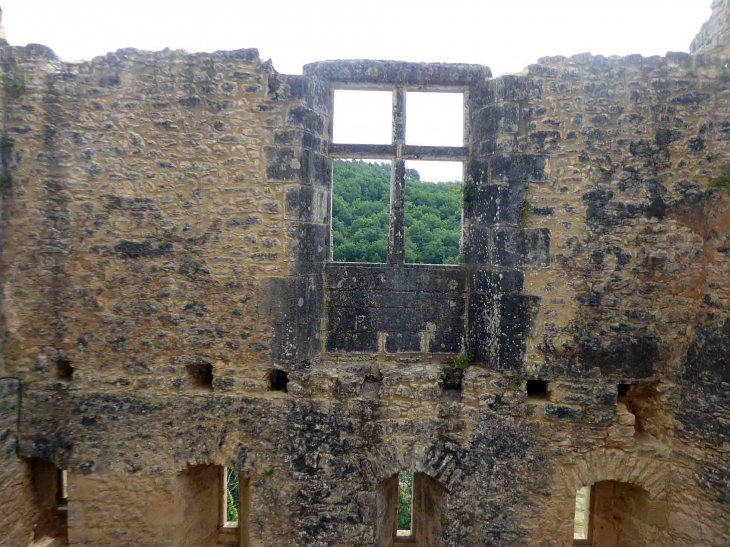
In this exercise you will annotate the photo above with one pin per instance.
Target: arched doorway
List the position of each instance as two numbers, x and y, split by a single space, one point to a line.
427 500
618 514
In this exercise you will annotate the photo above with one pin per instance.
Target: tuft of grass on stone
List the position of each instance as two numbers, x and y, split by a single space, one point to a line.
462 360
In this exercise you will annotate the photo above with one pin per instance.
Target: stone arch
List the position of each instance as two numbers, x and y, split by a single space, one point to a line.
430 493
434 460
647 475
648 472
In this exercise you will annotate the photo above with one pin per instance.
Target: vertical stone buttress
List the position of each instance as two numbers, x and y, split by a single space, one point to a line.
298 160
497 245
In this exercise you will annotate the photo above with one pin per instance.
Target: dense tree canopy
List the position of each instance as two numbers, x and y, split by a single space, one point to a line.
360 215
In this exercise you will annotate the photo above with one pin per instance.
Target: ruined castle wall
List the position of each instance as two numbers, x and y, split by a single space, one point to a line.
165 248
142 222
640 248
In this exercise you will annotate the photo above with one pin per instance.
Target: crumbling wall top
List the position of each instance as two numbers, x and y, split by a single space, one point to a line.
715 32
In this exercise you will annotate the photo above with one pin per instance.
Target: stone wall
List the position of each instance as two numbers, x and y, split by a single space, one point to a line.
165 248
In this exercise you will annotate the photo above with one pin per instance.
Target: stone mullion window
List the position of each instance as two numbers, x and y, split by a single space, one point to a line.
397 234
398 152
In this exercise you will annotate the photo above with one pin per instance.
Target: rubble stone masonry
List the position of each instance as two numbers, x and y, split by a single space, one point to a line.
165 249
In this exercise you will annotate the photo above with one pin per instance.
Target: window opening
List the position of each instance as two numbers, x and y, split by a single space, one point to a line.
360 210
435 119
433 205
362 240
62 489
236 504
278 380
64 368
537 389
231 497
623 390
201 376
405 503
615 512
582 514
49 486
363 117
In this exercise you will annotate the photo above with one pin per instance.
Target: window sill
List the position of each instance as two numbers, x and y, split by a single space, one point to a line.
414 265
228 535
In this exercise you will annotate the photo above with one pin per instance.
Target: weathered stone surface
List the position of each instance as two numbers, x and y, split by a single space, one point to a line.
166 257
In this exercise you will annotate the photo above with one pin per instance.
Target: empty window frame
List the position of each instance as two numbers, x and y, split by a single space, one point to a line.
405 504
397 151
433 211
235 504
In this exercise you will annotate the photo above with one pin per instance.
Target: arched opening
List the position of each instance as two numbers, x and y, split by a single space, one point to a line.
618 514
426 499
49 486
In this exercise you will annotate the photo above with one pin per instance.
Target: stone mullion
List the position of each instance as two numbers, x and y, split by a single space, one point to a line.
397 239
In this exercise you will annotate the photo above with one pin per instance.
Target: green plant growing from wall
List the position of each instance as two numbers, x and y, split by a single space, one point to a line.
6 181
469 195
6 155
15 84
462 360
516 382
723 181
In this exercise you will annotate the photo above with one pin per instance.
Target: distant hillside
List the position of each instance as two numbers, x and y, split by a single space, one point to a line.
360 215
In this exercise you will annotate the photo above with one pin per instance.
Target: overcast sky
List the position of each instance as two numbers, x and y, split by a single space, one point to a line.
505 35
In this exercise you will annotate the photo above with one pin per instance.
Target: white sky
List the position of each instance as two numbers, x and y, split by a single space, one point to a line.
505 35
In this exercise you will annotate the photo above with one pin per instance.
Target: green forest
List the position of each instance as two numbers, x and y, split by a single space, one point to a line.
361 211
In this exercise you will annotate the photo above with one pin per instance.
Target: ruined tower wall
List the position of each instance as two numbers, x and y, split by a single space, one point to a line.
165 248
151 200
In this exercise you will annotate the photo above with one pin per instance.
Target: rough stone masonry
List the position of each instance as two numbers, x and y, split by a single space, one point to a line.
169 308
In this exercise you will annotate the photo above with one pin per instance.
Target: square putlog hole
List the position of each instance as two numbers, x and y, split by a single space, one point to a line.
64 369
537 389
201 376
278 380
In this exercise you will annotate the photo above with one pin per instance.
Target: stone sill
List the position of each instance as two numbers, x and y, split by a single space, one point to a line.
228 535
